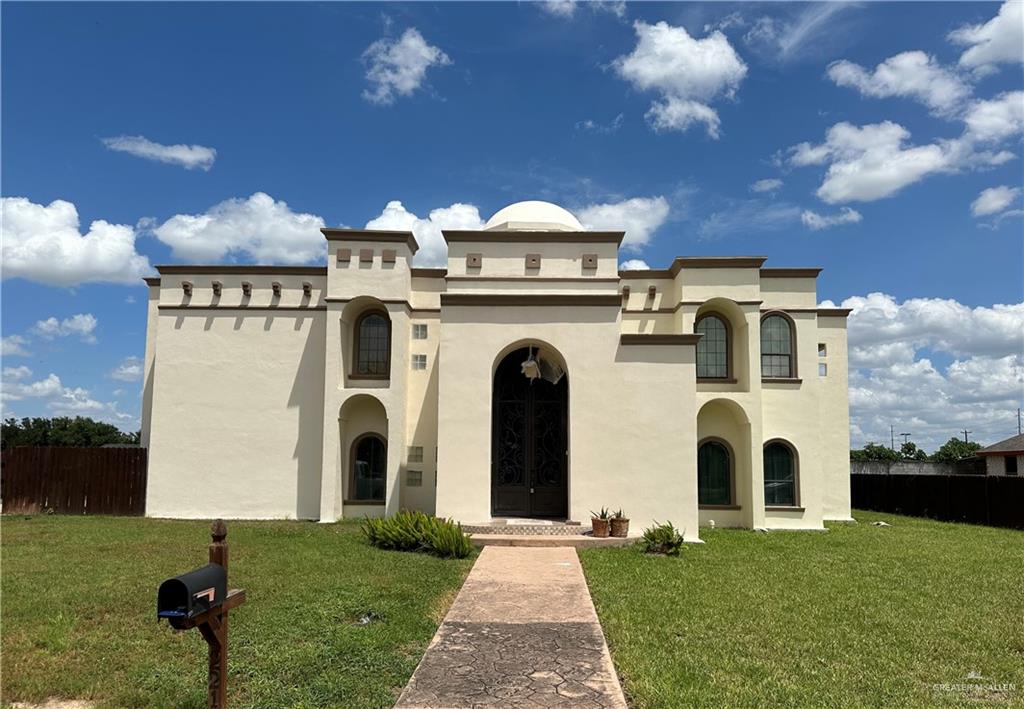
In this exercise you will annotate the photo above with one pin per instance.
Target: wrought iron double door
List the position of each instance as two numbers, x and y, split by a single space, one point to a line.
529 458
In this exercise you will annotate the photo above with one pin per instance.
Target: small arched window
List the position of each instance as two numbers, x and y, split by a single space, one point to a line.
777 360
372 356
714 474
713 348
780 475
369 468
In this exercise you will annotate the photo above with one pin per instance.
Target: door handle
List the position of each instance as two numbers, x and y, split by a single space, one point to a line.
531 490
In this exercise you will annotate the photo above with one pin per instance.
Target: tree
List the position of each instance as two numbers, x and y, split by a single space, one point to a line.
63 431
910 451
873 451
955 449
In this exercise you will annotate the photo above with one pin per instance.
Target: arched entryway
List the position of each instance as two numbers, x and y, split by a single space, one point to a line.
529 438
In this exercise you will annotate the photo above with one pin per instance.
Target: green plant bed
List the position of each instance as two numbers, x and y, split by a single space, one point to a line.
860 616
329 621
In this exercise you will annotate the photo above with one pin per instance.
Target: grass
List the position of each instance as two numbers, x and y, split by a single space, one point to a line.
79 613
860 616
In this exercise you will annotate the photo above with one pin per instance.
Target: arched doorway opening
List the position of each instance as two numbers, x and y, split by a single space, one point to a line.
529 438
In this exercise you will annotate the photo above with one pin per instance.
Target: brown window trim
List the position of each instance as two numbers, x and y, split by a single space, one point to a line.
794 372
714 380
732 474
356 341
373 377
783 508
729 374
352 468
781 380
796 475
364 503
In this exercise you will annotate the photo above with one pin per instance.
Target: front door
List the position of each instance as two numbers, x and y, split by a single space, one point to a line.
529 443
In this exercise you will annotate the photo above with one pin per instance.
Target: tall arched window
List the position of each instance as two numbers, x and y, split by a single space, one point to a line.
777 349
372 356
713 348
369 468
714 473
780 474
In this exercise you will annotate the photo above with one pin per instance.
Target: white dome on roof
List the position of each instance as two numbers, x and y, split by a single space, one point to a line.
533 215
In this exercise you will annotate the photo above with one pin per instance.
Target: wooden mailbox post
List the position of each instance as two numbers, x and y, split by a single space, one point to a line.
210 617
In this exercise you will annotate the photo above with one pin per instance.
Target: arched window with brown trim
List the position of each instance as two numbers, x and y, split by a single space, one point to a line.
714 473
371 357
778 347
781 475
368 474
714 349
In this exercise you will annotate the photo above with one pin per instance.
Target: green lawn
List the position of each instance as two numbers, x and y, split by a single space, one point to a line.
79 604
860 616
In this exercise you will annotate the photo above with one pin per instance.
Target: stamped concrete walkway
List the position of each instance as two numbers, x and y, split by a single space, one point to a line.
522 633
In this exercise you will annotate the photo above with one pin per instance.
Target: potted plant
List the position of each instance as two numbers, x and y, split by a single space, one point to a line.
599 522
620 524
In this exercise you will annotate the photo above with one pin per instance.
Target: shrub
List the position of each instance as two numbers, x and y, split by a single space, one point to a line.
415 531
662 539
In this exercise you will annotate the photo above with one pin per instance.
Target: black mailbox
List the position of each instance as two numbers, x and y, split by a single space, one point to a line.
188 595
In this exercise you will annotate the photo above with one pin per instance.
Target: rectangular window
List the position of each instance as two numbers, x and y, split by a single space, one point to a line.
822 350
822 369
1010 462
414 478
415 454
419 331
419 361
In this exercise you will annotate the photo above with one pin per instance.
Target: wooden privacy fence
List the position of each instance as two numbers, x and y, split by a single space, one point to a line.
994 500
74 481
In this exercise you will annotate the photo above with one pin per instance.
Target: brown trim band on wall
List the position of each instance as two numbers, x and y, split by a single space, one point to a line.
522 299
789 310
834 312
152 280
638 339
651 273
388 301
683 304
535 237
233 268
681 262
537 279
428 272
260 308
790 272
401 237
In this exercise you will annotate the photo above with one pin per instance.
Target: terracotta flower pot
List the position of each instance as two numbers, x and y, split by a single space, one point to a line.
600 527
620 526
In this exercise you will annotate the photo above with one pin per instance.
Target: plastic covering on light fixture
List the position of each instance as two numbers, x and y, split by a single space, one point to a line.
541 366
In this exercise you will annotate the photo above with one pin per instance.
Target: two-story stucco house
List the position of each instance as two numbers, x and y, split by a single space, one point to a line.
529 378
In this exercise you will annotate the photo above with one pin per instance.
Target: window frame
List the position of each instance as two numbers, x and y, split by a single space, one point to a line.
420 327
729 377
350 498
795 455
357 345
793 370
731 505
415 358
1006 468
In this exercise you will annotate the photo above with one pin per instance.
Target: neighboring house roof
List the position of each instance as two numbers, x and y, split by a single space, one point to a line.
1007 447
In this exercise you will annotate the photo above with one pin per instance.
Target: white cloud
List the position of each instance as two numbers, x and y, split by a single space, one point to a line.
433 249
816 222
566 9
591 126
129 370
15 374
689 74
892 382
42 243
559 8
750 216
258 228
995 119
912 74
188 156
994 200
639 217
16 388
51 393
788 39
998 41
13 346
770 184
633 264
82 325
399 67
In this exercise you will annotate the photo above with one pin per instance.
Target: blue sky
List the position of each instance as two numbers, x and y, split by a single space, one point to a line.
658 117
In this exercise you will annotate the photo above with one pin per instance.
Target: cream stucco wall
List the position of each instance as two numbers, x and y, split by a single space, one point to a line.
996 465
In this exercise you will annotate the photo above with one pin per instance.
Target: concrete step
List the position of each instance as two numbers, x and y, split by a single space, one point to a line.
538 529
544 540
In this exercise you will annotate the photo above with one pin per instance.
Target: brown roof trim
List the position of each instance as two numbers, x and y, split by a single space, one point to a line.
529 299
687 339
234 268
401 237
152 280
538 279
681 262
243 308
388 301
790 272
534 237
1009 446
834 312
685 303
428 272
789 310
637 273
